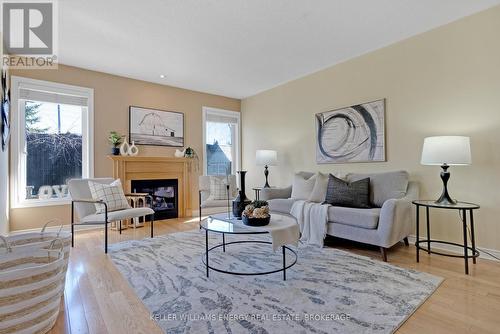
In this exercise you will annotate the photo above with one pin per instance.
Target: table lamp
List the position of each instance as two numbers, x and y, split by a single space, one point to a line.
266 158
446 151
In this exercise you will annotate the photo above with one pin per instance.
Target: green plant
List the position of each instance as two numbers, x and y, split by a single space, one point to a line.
259 204
115 138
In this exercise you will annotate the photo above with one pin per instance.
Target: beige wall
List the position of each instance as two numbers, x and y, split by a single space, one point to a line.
442 82
112 97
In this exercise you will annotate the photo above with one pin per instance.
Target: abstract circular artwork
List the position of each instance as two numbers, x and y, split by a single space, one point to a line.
352 134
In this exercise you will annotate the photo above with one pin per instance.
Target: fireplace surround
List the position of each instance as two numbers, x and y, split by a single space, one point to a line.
128 169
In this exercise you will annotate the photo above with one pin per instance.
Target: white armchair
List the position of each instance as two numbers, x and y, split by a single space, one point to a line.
85 207
215 204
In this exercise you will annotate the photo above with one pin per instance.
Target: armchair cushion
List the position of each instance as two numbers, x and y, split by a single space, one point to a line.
216 203
205 185
79 189
112 194
218 188
119 215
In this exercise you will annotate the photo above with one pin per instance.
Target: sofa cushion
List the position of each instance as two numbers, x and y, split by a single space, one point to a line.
354 194
364 218
384 186
302 186
283 205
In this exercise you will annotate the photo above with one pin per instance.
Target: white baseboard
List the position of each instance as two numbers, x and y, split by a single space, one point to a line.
454 249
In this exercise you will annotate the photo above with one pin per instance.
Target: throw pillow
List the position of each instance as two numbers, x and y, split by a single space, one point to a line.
112 194
342 193
318 193
302 187
218 189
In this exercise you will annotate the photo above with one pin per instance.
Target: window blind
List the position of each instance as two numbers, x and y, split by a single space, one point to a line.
52 97
219 118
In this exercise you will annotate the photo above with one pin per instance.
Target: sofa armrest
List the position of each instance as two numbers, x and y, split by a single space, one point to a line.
395 221
273 193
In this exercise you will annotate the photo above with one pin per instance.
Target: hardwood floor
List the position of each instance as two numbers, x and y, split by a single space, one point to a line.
98 299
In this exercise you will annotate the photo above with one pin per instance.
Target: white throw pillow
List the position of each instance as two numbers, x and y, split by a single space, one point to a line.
318 193
218 188
112 194
301 187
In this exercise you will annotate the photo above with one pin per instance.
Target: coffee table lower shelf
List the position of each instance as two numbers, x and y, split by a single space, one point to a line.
205 258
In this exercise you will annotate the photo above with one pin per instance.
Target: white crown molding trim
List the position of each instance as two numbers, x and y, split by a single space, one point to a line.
453 249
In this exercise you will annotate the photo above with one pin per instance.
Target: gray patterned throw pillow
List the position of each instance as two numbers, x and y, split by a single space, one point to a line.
341 193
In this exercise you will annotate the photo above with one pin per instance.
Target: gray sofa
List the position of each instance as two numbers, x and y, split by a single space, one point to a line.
385 224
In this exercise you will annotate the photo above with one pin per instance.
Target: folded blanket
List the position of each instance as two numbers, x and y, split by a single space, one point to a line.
312 219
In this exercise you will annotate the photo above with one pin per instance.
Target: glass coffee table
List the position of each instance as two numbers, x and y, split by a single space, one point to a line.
222 224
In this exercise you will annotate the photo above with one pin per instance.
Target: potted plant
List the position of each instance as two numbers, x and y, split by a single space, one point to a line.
115 139
256 214
190 153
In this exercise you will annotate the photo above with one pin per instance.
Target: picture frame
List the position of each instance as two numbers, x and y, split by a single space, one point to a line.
155 127
351 134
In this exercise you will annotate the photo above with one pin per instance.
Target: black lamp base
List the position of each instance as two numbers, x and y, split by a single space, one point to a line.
445 198
266 174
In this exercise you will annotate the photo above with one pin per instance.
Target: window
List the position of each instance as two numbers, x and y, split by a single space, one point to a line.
221 134
51 140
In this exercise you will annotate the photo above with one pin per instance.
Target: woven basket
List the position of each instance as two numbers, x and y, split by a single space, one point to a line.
41 240
31 286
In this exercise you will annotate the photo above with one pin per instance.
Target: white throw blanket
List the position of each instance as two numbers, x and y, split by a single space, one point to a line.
312 219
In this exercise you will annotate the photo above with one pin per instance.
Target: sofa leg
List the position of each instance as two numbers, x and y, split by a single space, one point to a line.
406 241
383 251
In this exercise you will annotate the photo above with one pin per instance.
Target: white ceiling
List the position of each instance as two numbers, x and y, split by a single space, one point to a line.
238 48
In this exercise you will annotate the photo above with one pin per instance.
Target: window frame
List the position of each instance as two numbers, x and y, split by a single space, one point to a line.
18 139
237 139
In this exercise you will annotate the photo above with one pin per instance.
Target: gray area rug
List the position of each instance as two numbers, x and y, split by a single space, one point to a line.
327 291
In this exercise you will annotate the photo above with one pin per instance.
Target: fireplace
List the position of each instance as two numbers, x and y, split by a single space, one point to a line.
164 193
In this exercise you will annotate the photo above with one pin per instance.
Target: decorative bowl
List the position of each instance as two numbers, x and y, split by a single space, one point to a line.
256 221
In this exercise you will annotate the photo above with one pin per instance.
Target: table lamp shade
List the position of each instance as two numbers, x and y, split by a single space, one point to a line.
266 158
449 150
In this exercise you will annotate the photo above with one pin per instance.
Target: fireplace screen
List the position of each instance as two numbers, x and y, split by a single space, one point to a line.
164 193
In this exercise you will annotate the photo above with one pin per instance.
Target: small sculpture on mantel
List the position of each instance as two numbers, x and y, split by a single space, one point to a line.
178 153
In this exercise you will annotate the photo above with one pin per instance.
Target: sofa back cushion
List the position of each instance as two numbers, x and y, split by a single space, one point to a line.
384 186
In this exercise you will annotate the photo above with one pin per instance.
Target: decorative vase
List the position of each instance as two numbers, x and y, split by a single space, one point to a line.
241 201
179 154
115 150
133 150
124 148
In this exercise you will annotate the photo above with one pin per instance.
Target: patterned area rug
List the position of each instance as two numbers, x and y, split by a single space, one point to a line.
327 291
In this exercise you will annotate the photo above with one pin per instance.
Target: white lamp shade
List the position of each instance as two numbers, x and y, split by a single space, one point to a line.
266 158
450 150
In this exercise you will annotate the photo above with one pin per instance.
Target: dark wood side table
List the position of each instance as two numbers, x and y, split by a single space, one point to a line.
463 208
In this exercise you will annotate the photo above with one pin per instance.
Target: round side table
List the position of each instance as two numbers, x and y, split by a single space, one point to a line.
463 208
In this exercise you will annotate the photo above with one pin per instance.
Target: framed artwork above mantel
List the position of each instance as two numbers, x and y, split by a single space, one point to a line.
156 127
351 134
